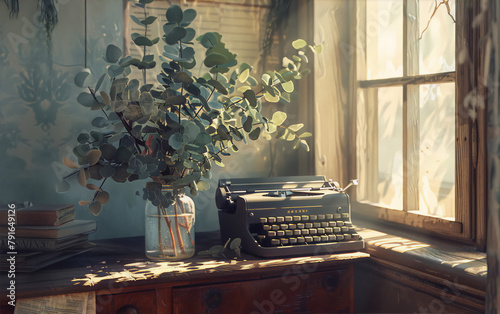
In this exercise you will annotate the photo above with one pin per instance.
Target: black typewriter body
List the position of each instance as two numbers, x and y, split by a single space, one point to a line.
287 216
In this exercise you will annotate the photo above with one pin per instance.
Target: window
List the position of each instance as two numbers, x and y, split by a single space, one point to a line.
413 137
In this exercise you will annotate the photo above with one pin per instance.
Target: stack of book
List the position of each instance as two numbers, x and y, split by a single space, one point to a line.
42 235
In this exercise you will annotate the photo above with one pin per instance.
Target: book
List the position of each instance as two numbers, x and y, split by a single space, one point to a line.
52 232
31 261
38 244
43 215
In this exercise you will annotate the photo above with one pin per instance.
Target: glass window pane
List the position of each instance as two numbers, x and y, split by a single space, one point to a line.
437 150
437 45
384 38
380 140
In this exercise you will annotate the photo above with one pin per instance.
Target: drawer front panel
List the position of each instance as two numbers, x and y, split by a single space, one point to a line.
143 302
293 292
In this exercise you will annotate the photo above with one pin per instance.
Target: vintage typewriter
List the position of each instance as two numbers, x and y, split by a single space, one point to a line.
287 216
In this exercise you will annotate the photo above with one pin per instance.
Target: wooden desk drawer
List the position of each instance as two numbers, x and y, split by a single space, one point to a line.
330 292
143 302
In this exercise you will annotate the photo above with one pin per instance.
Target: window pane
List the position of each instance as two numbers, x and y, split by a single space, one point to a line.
380 140
384 37
437 45
437 150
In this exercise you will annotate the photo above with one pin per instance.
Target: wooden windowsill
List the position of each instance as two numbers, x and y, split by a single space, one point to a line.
437 259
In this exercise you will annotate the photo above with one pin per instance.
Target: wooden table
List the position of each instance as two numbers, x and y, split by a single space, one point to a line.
124 280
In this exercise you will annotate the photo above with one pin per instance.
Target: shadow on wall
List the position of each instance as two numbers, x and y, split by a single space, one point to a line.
40 118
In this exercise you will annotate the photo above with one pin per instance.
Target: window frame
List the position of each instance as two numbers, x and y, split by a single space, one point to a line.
470 134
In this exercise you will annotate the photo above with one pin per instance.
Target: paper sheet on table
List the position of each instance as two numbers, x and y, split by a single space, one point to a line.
76 303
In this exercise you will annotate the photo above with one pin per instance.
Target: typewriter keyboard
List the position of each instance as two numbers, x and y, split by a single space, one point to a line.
303 230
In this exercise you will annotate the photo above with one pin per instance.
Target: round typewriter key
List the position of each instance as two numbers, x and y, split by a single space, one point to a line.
336 216
328 230
263 220
340 237
284 226
313 231
280 233
332 224
275 241
271 219
280 219
321 230
309 225
288 218
340 223
347 236
305 217
352 229
344 229
336 229
288 233
271 234
313 217
355 236
329 216
297 232
316 224
296 218
292 240
266 227
317 239
345 216
301 240
292 226
300 226
305 231
284 241
308 238
324 238
321 217
275 227
324 224
332 237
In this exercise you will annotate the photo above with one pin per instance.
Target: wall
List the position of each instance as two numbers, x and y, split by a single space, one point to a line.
37 131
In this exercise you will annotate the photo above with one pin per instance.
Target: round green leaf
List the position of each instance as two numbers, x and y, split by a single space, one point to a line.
108 151
188 17
299 43
254 135
278 117
174 14
183 77
175 140
84 78
148 20
113 53
102 197
288 86
176 34
86 99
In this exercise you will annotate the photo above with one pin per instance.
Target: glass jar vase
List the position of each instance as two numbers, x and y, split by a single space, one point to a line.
169 229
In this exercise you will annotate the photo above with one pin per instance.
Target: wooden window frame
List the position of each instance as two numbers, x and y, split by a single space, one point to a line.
470 146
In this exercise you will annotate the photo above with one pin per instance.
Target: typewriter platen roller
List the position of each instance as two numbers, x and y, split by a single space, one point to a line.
287 216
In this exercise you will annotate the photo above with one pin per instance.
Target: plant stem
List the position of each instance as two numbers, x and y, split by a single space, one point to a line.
169 224
179 236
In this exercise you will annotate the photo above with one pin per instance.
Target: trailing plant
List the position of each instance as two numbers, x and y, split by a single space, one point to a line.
174 131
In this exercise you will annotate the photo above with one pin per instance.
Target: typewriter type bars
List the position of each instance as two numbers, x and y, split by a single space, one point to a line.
309 216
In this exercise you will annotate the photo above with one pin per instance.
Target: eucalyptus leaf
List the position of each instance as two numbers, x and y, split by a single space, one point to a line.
254 135
95 208
113 53
174 14
278 117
